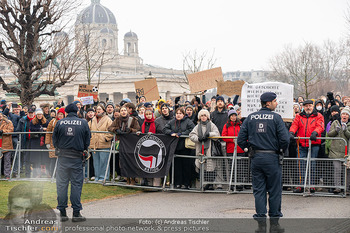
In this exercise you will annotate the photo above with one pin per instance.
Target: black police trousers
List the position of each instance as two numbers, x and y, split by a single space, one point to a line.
69 170
267 178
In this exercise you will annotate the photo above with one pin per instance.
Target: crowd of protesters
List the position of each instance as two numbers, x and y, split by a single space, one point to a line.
198 119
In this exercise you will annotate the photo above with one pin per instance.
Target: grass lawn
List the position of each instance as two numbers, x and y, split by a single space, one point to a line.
90 192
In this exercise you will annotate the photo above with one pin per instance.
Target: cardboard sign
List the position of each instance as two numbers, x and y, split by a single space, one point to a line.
88 90
87 100
147 88
204 80
251 98
230 88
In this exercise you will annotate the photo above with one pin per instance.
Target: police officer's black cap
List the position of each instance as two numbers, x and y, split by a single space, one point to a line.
268 96
71 108
308 102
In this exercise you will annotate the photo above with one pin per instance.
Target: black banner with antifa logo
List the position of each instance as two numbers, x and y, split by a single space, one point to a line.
146 155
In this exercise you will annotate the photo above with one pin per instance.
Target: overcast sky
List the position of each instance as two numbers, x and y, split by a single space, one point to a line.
245 34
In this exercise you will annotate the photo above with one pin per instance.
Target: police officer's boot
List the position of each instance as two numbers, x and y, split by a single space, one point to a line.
261 226
63 216
275 227
77 217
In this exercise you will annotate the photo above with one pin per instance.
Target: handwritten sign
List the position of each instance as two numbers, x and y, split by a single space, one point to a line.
204 80
251 98
230 88
147 88
88 90
87 100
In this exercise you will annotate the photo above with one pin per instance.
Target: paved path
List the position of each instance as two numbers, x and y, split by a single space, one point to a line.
211 205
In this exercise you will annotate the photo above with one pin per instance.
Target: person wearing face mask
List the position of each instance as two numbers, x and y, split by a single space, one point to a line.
308 123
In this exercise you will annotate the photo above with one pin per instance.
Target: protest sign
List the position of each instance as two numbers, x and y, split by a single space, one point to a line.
147 88
230 88
204 80
251 98
87 100
88 90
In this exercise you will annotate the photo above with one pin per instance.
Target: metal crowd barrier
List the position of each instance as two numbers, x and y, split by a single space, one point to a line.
232 173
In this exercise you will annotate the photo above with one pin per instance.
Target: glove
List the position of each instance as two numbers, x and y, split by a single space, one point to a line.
330 95
292 135
200 139
205 137
118 131
337 128
313 136
177 99
127 130
48 146
1 132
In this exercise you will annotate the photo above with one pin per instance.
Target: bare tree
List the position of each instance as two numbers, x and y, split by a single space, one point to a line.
194 62
34 46
96 52
301 67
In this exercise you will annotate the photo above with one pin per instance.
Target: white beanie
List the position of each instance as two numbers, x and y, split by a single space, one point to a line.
39 111
203 112
346 110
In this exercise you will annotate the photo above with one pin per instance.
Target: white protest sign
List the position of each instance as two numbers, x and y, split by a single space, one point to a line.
251 98
87 100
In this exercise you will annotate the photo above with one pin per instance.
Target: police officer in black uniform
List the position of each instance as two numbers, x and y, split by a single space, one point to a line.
264 136
71 137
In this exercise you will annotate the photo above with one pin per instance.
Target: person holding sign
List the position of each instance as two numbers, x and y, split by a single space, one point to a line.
267 138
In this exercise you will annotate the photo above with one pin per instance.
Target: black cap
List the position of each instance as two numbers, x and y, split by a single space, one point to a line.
30 110
147 104
71 108
268 96
308 102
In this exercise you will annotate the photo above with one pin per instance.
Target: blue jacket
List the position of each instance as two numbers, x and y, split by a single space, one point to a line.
71 133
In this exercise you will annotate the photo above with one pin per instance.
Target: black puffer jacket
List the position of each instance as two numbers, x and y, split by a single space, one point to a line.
219 119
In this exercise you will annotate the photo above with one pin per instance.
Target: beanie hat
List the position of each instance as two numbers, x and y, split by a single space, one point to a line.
71 108
148 104
90 110
39 111
76 102
61 110
203 112
220 98
335 108
3 102
127 100
165 105
53 110
188 106
110 103
346 110
231 112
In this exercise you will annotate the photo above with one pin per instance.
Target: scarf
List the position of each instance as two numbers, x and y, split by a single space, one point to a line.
30 119
207 130
152 126
123 122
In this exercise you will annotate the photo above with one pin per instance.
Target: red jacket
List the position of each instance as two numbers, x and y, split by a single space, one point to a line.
306 125
232 130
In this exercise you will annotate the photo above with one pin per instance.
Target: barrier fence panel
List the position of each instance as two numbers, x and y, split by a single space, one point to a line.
229 174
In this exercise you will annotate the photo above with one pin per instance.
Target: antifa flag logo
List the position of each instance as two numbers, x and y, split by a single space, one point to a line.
150 154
